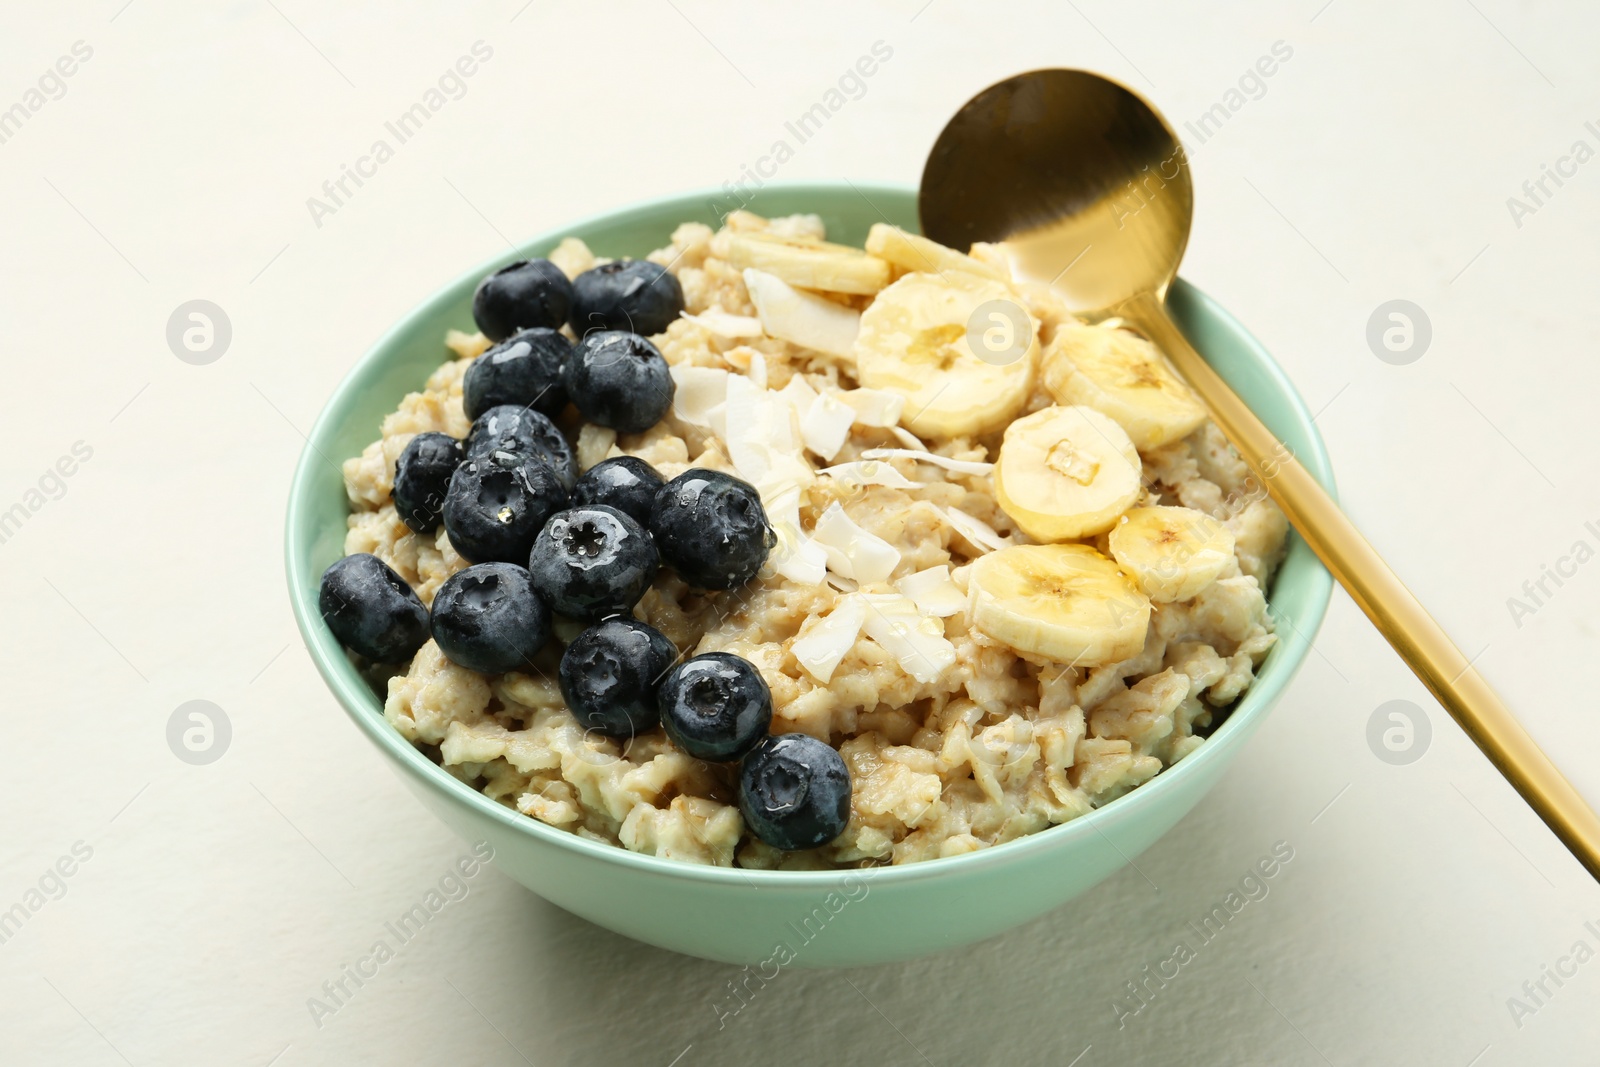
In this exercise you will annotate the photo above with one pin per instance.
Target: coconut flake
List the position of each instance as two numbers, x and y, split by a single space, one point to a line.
804 562
758 369
824 422
961 576
796 556
960 466
869 472
758 428
907 438
933 592
853 552
827 639
723 324
780 498
825 425
717 419
802 318
743 433
697 390
915 640
873 407
799 394
981 535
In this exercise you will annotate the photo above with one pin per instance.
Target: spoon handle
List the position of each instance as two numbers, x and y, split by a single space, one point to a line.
1397 614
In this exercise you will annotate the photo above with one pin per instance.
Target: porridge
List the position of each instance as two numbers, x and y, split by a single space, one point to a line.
917 582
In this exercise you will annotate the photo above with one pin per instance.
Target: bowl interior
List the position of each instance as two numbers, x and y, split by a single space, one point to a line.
402 359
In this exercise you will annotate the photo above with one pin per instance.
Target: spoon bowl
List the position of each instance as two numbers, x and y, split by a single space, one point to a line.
1083 180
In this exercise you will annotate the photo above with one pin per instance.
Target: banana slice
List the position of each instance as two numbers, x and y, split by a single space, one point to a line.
915 252
916 340
1064 603
809 264
1065 473
1173 553
1124 376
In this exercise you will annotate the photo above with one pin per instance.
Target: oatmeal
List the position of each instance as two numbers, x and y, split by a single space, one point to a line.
1008 582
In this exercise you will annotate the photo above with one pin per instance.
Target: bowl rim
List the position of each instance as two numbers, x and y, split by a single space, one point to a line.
365 709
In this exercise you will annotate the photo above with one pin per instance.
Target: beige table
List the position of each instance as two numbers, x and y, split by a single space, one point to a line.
208 903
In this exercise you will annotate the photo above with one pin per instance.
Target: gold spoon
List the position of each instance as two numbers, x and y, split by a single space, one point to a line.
1088 190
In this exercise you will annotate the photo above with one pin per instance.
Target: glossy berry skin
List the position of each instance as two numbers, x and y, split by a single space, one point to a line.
525 294
514 428
619 380
487 618
794 792
625 294
371 609
592 562
711 528
715 706
497 505
609 676
524 370
422 478
626 483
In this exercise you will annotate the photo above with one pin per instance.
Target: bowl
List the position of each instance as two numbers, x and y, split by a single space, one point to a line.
784 918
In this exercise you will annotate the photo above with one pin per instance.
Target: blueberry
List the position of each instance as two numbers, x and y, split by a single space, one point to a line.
422 478
794 792
488 619
497 505
592 562
524 370
715 706
609 676
625 294
371 609
712 528
618 380
513 428
528 293
626 483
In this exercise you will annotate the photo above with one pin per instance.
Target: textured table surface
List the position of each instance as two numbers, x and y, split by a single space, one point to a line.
1384 159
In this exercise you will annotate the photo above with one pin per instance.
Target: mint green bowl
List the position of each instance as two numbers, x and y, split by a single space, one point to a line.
812 919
